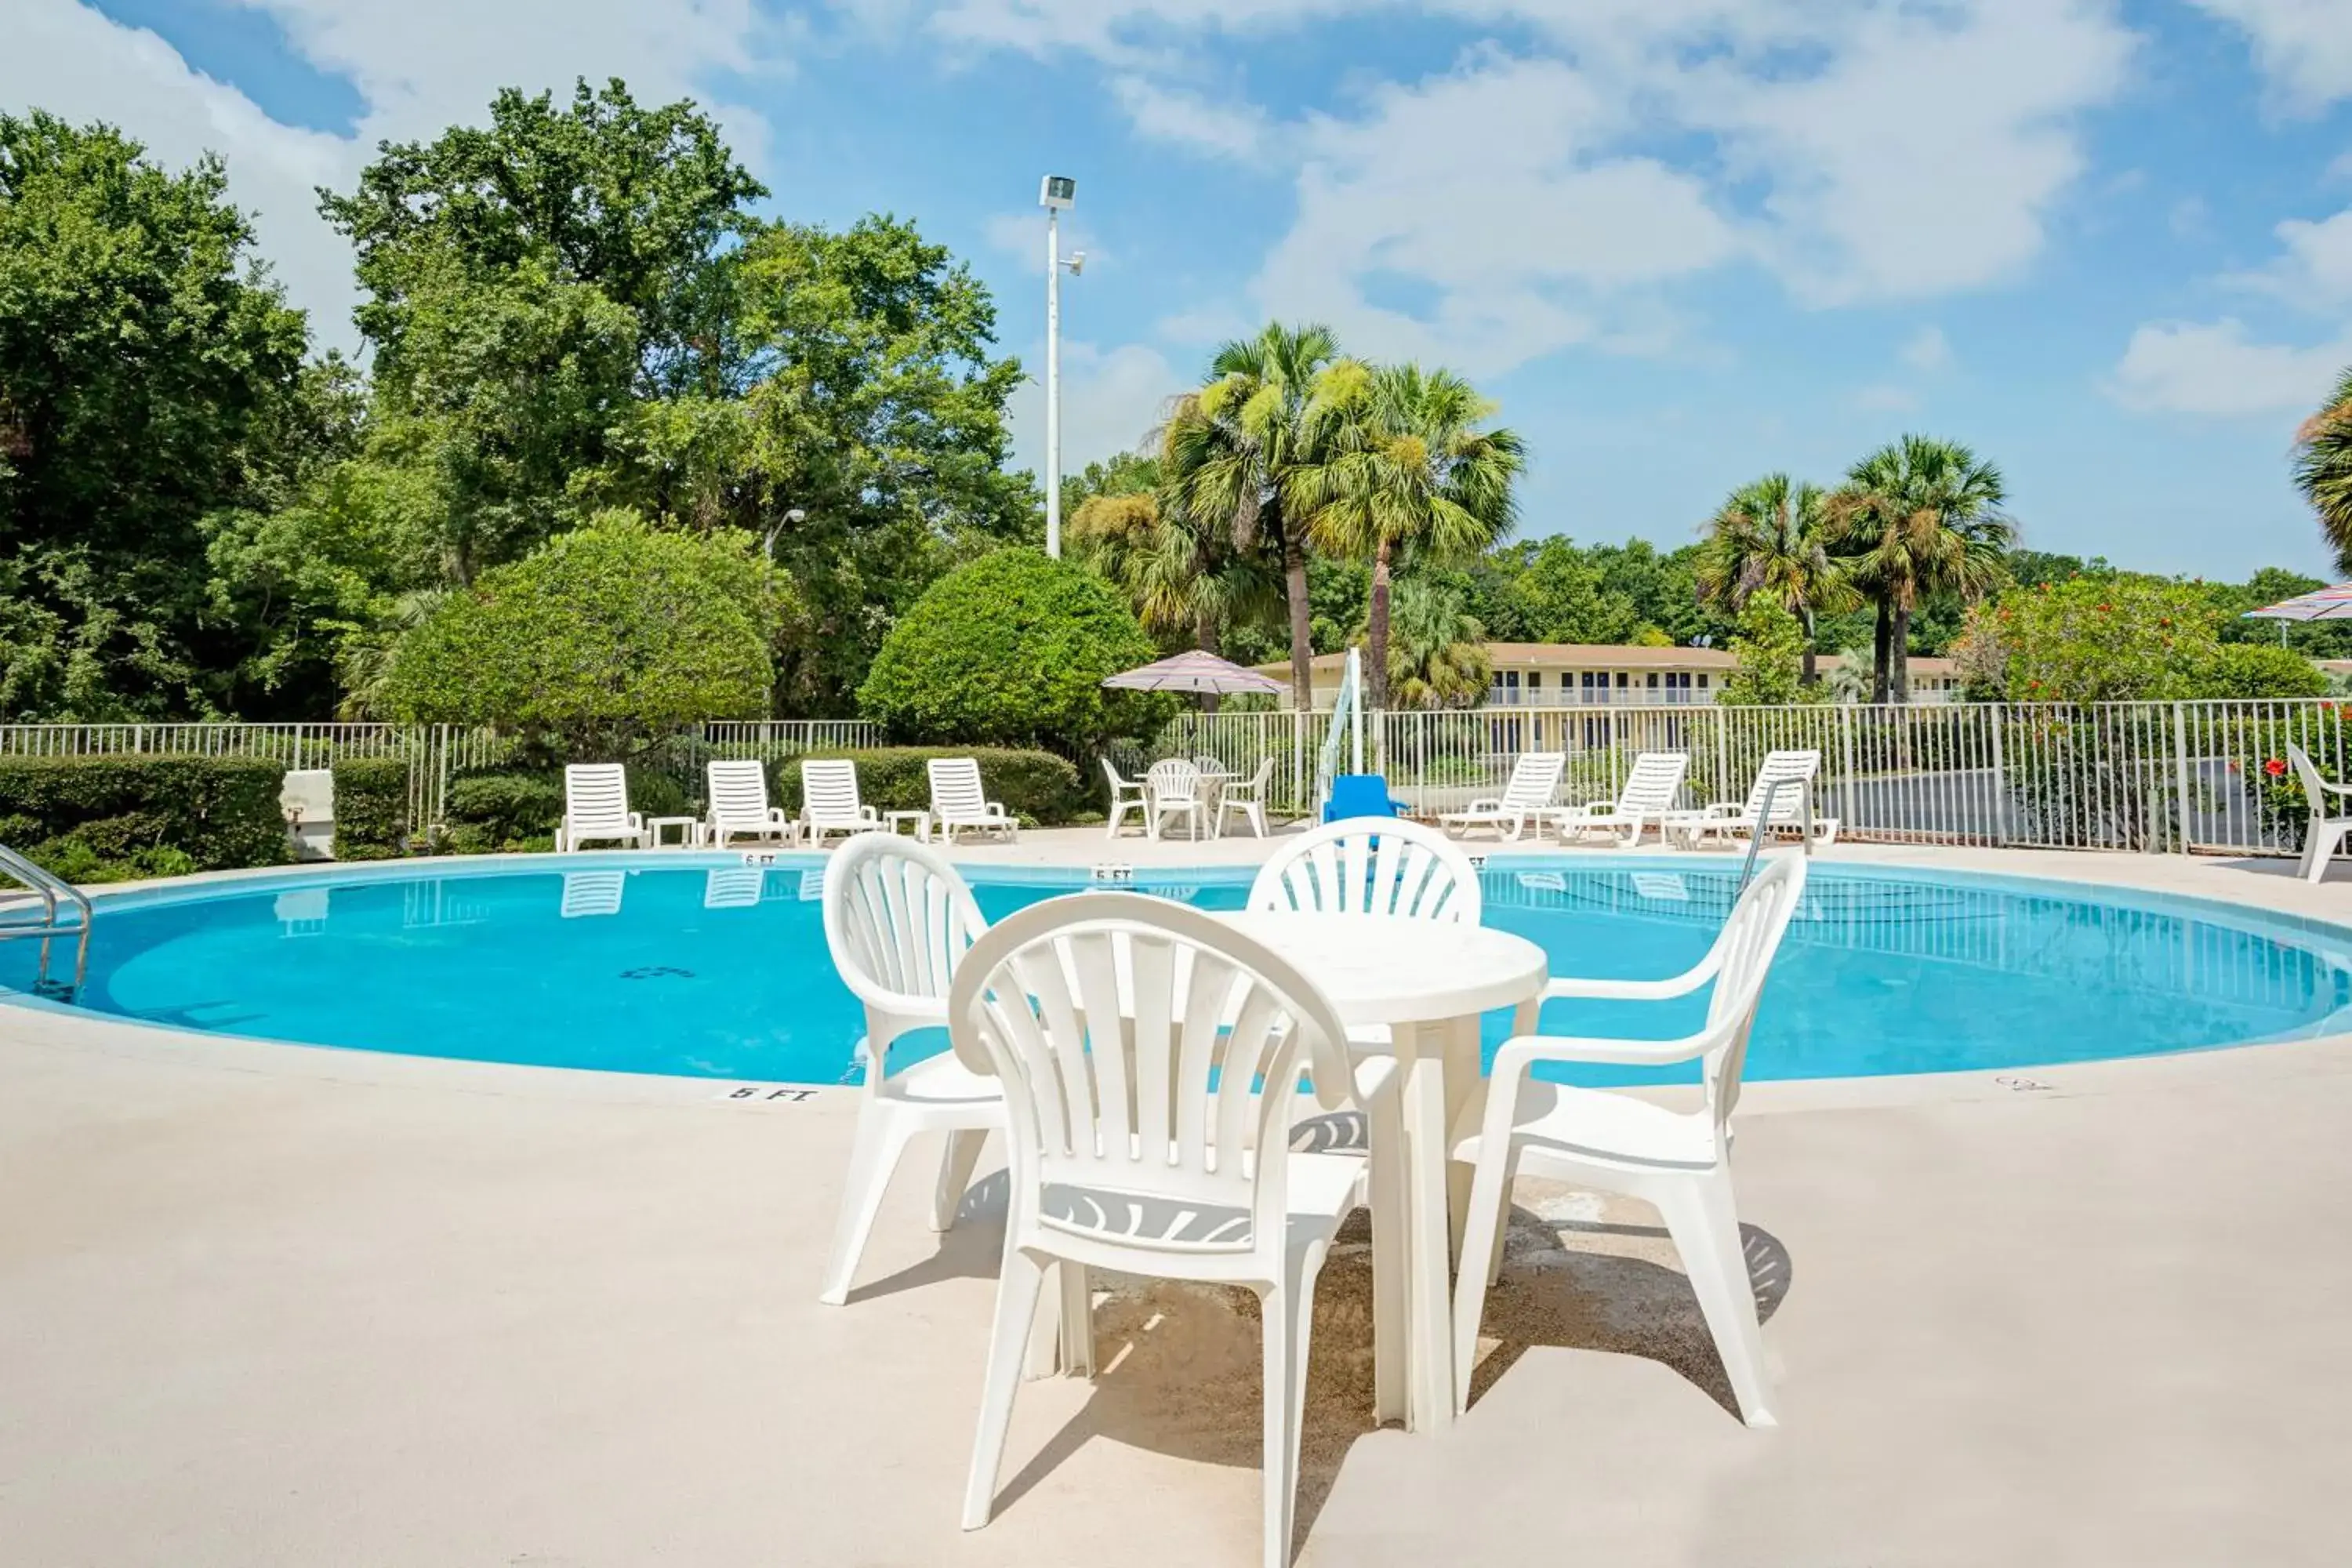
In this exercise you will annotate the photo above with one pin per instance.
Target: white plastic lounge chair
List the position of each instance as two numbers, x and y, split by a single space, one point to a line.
2324 834
1246 797
306 797
596 808
1370 866
1723 819
1126 795
898 920
1164 1162
1176 790
587 894
958 802
733 887
1648 796
1604 1142
738 805
829 802
1534 777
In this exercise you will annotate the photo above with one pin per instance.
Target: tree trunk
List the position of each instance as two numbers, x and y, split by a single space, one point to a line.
1899 645
1376 631
1204 638
1882 636
1813 655
1302 624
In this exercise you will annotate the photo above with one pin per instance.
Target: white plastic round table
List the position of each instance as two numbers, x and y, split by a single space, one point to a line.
1428 982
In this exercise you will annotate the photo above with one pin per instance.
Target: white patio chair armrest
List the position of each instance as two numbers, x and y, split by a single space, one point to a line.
1524 1051
1483 803
638 820
2333 788
1575 988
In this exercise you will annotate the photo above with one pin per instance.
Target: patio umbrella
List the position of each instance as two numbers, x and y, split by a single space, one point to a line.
1194 671
2319 605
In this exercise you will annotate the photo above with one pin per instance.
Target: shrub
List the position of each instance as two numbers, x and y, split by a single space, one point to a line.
599 638
1037 786
2263 670
107 818
371 809
2095 639
1012 650
520 808
1771 648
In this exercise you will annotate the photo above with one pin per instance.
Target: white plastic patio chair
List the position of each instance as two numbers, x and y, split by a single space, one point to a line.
1724 819
898 921
958 801
1126 795
829 802
1535 778
596 808
738 805
2324 834
1176 790
1246 797
1647 796
1370 866
1678 1161
1145 1148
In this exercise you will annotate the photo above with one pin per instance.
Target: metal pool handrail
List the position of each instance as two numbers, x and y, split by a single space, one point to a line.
1772 788
50 889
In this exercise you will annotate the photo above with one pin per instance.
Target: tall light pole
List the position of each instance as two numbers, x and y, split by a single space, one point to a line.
1058 192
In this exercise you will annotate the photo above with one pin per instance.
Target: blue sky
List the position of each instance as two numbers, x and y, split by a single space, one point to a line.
1681 242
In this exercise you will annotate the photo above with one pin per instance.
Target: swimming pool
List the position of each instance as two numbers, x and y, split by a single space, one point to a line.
709 966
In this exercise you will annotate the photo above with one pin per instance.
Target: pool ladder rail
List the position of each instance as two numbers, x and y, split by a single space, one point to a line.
52 893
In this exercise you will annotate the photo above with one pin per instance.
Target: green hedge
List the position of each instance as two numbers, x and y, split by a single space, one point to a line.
371 809
1037 786
520 808
101 819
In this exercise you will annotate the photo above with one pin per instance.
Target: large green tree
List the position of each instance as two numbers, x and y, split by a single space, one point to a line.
150 376
1235 450
1410 467
1771 543
2323 469
1917 517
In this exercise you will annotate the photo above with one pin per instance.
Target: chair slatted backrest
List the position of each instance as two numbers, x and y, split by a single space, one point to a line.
829 789
596 799
1655 782
1789 806
1364 866
1117 782
1535 778
956 792
2315 788
898 921
1174 779
1134 1038
739 791
1743 952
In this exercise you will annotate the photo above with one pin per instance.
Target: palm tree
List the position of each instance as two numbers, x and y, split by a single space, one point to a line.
1232 451
1771 540
1403 465
1184 578
2323 469
1917 517
1438 649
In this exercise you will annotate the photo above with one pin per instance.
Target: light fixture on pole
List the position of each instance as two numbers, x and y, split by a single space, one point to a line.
1058 192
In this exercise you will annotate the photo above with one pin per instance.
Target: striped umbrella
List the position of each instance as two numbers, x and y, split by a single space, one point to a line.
2319 605
1193 672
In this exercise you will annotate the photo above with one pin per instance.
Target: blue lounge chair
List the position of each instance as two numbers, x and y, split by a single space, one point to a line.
1360 795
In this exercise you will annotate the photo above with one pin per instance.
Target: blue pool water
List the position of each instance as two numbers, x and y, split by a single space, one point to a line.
705 967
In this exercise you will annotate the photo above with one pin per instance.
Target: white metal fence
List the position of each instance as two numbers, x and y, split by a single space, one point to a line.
2134 775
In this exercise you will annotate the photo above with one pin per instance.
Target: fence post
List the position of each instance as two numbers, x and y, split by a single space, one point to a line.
1847 781
1997 714
2181 768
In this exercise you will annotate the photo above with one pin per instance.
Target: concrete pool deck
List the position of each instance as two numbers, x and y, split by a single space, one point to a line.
268 1305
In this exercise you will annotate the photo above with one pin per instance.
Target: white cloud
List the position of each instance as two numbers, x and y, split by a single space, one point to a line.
2178 367
1515 262
1928 350
1187 120
2304 46
1925 156
418 66
1111 399
2315 270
